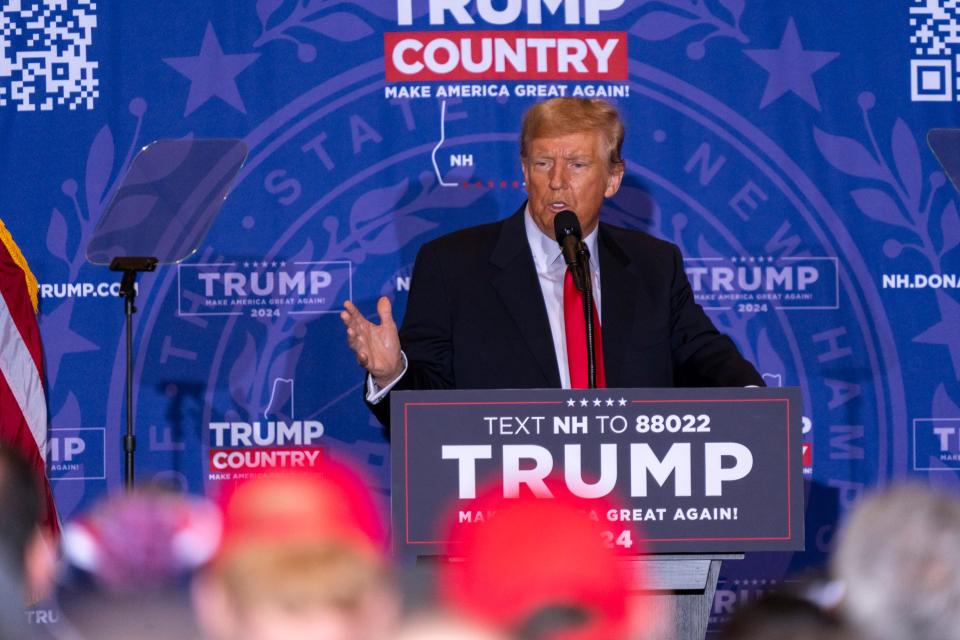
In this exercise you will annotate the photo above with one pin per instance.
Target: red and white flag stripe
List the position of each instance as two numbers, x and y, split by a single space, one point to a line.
23 405
20 372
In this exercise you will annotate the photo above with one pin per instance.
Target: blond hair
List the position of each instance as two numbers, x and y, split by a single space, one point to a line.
564 116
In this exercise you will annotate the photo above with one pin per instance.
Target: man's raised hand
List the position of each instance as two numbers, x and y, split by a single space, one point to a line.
377 347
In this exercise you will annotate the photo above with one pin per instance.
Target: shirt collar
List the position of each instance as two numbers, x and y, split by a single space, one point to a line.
546 250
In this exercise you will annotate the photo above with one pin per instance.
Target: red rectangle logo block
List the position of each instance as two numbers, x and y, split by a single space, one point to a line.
505 55
264 459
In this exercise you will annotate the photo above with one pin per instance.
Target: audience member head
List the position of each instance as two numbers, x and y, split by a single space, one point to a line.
301 557
899 558
539 569
778 616
25 552
128 564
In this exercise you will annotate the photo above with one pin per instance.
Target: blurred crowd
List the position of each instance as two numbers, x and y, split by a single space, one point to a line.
306 557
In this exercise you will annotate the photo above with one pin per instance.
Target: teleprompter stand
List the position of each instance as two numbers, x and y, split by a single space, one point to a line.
159 214
945 144
130 267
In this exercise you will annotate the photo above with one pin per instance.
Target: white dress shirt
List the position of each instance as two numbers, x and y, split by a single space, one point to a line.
551 270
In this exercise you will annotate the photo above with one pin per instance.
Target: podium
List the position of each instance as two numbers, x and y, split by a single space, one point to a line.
679 588
708 474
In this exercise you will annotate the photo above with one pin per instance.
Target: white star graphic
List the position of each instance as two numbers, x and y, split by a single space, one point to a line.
583 402
609 402
571 402
596 402
622 402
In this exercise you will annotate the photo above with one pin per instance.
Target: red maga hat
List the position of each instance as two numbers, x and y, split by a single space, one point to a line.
535 556
331 504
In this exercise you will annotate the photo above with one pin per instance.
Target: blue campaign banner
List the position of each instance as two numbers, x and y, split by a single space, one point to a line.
782 146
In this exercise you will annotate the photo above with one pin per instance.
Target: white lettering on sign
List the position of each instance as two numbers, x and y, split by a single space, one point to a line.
508 11
529 465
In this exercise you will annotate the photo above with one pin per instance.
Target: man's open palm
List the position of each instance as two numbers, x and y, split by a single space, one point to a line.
377 347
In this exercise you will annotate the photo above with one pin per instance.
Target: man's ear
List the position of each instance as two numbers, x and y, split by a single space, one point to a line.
614 179
523 168
39 564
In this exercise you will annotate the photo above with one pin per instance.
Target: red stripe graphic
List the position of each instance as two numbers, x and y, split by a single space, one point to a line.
505 55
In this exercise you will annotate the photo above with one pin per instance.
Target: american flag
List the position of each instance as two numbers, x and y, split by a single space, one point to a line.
23 405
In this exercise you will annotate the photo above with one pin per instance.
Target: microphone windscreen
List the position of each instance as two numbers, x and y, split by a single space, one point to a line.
566 224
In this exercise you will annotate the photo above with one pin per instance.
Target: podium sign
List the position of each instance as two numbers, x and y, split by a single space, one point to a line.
697 470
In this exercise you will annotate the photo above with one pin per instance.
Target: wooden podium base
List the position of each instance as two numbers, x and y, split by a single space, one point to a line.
678 591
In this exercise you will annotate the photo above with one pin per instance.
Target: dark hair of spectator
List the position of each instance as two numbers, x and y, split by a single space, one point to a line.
779 616
19 508
553 620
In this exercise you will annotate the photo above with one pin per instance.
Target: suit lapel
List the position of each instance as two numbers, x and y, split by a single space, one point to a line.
619 290
519 289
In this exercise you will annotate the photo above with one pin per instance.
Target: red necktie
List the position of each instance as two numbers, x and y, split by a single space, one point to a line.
575 327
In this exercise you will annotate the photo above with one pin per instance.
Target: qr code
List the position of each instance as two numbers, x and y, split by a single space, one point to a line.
935 67
44 47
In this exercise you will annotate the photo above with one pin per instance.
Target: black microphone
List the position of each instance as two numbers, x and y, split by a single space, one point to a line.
566 227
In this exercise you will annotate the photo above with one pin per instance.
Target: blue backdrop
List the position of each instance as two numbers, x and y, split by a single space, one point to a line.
781 145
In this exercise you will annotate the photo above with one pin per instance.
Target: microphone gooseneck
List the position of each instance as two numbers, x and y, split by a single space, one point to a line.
566 227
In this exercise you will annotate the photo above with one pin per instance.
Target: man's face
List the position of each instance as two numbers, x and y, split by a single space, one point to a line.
569 172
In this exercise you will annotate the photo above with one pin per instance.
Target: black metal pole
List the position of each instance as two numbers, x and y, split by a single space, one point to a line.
129 440
587 280
130 266
591 356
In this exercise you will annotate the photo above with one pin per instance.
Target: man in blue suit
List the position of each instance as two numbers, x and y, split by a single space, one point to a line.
486 304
